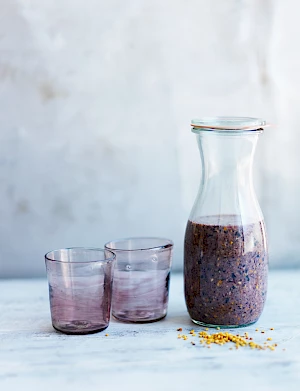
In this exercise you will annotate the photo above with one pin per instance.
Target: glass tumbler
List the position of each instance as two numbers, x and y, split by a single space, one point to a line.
80 289
141 278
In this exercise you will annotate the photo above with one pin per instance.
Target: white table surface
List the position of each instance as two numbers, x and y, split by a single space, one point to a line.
148 356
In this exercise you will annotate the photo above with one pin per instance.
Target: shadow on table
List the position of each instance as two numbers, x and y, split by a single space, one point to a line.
47 328
180 320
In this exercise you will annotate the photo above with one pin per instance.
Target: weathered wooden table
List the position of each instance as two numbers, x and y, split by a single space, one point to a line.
148 356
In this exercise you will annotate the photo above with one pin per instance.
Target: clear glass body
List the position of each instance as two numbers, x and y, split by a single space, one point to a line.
225 250
80 289
141 278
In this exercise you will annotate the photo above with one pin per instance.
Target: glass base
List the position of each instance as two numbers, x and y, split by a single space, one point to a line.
222 326
79 327
124 319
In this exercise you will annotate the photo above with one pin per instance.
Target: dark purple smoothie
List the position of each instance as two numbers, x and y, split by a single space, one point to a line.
225 266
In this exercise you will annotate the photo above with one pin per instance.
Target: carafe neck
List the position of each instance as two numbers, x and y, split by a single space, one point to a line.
226 186
227 159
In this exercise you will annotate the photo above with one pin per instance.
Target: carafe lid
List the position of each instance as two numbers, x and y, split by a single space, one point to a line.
228 124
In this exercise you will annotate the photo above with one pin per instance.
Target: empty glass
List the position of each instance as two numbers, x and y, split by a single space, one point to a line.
80 288
141 278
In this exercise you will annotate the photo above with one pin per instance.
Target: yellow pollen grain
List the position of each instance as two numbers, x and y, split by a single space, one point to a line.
221 338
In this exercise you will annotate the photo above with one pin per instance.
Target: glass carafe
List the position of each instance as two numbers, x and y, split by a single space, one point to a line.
225 249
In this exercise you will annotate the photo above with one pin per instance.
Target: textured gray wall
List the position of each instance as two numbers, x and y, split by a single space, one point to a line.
95 103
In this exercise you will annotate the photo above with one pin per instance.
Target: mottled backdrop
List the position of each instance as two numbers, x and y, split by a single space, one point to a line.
95 102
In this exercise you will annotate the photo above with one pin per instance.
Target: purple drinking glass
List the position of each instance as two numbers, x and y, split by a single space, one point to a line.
80 289
141 278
